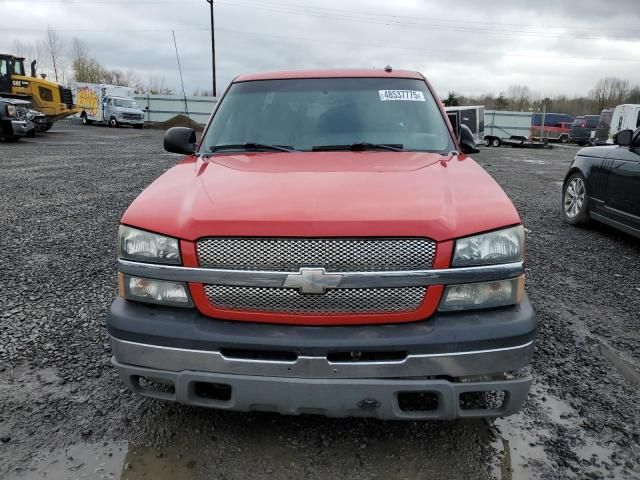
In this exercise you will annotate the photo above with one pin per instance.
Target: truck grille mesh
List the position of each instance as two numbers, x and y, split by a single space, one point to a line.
287 300
337 255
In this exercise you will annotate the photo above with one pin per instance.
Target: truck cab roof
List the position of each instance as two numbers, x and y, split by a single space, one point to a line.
330 73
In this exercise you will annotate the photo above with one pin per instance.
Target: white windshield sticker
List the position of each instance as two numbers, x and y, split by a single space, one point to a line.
404 95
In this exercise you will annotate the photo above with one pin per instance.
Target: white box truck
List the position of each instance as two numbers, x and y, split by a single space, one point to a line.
624 117
107 104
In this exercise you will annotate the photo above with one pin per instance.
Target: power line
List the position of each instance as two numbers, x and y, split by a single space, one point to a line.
391 20
368 45
379 18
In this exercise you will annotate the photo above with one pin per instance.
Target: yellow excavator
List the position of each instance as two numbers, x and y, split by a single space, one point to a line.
50 98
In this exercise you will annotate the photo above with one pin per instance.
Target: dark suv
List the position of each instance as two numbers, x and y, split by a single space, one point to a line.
582 127
14 123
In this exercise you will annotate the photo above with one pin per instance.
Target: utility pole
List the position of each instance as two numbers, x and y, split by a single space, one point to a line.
213 50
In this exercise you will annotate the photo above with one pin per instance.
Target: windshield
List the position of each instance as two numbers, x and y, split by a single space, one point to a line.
122 102
18 67
304 114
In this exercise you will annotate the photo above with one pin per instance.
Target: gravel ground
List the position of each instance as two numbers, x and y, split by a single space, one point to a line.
64 413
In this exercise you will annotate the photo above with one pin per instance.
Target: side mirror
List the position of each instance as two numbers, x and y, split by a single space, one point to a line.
180 140
467 143
623 138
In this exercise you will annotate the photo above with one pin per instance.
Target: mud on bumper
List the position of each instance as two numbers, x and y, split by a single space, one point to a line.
406 399
432 369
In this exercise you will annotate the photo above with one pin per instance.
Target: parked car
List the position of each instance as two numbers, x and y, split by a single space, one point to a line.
14 123
557 127
603 184
39 120
604 125
625 117
328 247
582 128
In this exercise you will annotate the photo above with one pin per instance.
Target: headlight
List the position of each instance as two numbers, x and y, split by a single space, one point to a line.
501 246
471 296
11 110
134 244
154 291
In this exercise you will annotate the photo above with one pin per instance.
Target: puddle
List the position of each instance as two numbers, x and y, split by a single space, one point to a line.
625 368
522 441
112 461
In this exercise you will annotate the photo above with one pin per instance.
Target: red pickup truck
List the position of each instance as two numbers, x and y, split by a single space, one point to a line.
328 247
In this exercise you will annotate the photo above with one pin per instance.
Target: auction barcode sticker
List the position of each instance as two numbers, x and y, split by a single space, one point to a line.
403 95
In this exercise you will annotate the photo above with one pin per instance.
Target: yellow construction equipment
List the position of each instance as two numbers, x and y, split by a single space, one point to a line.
50 98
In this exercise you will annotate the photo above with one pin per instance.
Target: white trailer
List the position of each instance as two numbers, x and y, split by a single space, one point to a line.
500 125
624 117
110 104
472 116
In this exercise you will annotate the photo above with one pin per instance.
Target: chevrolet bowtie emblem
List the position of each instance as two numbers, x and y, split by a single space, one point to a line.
312 280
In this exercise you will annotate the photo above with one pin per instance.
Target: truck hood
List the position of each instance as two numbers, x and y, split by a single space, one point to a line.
323 194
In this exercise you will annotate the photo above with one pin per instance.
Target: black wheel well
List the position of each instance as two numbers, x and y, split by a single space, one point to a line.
571 172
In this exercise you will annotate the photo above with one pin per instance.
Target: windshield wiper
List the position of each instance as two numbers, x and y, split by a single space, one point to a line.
251 146
359 147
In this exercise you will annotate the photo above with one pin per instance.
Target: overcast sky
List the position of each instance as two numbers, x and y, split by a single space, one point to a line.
553 46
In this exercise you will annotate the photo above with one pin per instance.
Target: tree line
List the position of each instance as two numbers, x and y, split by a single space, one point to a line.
607 92
72 61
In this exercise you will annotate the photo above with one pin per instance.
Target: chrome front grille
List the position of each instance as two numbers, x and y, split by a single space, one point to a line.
337 255
339 301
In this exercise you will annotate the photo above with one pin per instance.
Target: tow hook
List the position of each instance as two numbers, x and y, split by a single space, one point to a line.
368 404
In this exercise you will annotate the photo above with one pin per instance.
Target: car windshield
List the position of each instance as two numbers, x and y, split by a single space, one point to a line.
122 102
330 113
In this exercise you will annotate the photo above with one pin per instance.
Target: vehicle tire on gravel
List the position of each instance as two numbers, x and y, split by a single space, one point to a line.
496 142
85 120
113 122
575 203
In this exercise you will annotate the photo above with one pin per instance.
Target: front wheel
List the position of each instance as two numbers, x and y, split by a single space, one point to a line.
113 122
564 139
496 142
574 200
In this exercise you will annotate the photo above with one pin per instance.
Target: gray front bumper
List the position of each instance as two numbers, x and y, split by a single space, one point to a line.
317 385
330 397
20 127
295 369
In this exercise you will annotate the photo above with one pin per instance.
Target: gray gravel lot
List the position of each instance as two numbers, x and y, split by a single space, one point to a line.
64 413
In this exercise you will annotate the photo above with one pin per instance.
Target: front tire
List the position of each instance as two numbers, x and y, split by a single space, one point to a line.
575 202
496 142
113 123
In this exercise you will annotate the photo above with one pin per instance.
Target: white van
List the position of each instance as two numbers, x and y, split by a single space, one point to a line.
624 117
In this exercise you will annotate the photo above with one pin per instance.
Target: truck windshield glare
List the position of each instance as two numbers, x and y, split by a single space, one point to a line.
308 113
125 103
